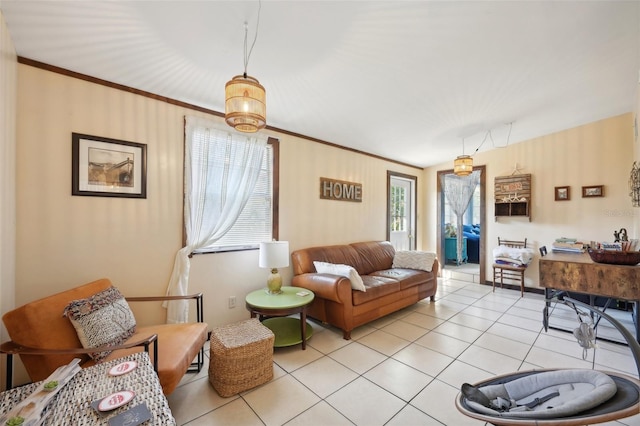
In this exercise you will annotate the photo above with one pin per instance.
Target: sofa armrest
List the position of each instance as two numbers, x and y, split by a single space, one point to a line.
11 348
196 296
326 286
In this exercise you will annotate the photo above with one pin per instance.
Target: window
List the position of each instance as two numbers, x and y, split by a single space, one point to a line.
257 222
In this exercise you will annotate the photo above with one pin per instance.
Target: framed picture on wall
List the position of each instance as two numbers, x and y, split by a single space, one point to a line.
592 191
562 193
103 167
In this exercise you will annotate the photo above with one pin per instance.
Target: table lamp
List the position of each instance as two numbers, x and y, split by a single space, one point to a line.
274 255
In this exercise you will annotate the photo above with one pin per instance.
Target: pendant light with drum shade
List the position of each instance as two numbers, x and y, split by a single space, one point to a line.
463 164
245 105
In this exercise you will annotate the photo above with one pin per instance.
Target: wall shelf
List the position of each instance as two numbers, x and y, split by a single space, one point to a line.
513 196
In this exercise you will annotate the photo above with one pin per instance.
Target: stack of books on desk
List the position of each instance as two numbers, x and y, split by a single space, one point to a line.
567 245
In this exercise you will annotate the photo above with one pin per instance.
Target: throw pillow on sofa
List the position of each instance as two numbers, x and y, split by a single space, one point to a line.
413 259
102 319
343 271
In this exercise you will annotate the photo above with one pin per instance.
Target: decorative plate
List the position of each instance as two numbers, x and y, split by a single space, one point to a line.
123 368
115 400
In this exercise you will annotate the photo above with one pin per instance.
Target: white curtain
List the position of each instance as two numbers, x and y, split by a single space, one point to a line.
221 170
459 190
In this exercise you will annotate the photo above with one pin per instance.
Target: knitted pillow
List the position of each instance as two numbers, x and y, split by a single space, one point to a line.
102 319
413 259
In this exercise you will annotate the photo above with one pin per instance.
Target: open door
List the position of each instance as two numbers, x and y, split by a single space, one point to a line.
441 220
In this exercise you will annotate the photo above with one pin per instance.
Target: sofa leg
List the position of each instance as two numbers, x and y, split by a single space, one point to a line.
346 335
432 298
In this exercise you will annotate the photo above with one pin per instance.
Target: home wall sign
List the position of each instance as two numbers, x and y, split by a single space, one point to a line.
333 189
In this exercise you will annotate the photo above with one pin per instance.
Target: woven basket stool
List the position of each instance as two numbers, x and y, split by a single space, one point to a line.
241 357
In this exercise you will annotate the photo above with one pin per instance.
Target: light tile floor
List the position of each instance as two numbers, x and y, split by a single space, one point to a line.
406 368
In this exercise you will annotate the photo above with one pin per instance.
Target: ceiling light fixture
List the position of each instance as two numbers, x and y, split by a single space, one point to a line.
245 105
463 164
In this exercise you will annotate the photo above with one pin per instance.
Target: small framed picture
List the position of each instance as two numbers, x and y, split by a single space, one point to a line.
103 167
562 193
593 191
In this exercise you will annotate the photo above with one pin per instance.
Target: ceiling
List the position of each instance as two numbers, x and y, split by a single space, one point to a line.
406 80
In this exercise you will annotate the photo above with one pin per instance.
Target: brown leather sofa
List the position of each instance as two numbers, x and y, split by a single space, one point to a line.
388 289
45 339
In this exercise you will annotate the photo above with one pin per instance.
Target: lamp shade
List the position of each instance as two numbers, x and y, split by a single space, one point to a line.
463 165
274 254
245 105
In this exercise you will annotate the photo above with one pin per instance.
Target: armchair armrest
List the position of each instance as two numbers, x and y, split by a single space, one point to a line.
196 296
11 348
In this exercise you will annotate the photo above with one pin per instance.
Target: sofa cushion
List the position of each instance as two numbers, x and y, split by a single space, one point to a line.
342 270
406 277
376 287
101 319
374 255
421 260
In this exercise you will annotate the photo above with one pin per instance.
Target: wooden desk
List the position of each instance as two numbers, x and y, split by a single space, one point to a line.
576 272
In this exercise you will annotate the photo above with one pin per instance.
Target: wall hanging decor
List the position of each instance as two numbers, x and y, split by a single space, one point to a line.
103 167
513 195
634 185
341 190
593 191
562 193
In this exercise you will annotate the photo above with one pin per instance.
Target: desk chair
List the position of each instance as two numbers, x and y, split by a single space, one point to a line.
509 272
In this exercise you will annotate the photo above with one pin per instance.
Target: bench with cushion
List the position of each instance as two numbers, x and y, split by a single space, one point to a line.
52 331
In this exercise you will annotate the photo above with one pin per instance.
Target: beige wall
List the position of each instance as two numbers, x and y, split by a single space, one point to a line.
599 153
66 240
8 76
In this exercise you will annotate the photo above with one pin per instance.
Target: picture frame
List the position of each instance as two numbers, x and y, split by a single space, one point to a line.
593 191
562 193
104 167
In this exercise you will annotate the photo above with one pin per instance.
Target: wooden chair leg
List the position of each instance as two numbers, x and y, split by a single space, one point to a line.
494 279
521 283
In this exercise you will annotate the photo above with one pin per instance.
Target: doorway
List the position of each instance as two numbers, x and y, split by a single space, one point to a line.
401 210
442 234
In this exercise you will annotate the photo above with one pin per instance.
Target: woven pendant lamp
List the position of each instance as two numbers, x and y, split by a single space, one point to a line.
463 165
245 100
245 106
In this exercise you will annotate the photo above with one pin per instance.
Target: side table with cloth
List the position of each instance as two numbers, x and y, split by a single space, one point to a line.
72 403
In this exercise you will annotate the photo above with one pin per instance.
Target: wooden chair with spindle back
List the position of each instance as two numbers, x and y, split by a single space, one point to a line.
503 271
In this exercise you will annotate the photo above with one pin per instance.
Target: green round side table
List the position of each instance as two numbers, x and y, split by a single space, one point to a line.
277 307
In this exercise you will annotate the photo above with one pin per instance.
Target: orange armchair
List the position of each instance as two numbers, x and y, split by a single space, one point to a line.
45 339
